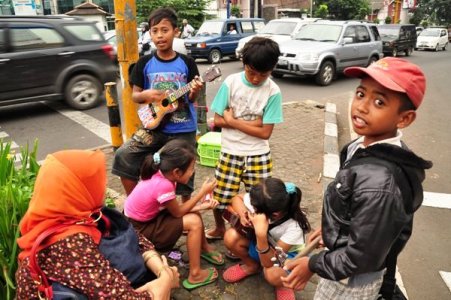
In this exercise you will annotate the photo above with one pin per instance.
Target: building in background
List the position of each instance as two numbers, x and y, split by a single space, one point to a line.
91 12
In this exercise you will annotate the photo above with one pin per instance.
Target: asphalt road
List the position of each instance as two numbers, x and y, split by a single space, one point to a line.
57 127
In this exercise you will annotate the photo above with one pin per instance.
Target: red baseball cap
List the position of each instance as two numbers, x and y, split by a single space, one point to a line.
395 74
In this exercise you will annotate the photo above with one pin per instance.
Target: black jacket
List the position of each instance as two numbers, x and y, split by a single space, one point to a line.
364 213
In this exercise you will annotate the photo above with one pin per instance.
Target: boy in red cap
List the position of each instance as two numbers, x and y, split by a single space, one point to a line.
368 208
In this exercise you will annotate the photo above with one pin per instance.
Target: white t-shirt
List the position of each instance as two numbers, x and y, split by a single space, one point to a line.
288 232
248 102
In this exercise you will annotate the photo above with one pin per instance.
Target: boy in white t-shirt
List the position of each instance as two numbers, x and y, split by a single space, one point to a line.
247 106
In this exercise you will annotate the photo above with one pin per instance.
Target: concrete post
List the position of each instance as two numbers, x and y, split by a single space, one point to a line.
114 115
127 54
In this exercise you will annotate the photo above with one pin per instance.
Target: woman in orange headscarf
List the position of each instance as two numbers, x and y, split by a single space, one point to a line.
70 187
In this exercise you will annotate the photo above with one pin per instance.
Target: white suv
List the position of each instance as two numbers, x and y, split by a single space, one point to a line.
432 38
323 48
278 30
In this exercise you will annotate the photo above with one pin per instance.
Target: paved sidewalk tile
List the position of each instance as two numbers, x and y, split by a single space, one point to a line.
297 149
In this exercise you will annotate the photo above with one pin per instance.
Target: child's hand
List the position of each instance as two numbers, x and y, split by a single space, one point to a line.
314 235
228 115
208 186
260 223
196 85
209 204
154 95
244 219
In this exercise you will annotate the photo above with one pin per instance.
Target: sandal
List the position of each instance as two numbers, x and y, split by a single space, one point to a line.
285 294
235 273
210 279
212 237
211 257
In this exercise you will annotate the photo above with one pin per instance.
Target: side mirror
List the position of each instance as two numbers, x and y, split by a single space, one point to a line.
347 40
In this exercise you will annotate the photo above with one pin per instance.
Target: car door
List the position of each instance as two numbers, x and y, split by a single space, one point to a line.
443 37
33 60
229 41
349 54
3 59
365 46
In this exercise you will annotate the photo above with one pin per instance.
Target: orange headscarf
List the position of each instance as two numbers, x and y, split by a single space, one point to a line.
70 185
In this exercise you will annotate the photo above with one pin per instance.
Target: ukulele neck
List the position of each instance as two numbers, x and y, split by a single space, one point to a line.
182 91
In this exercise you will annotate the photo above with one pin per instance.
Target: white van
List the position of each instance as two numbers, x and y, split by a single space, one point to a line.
432 38
278 30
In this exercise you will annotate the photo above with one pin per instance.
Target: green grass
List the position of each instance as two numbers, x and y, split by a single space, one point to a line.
16 186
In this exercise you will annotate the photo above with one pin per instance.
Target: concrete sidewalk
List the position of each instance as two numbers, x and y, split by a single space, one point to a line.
298 146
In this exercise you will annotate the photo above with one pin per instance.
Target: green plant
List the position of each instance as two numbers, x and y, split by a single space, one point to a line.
16 186
388 20
235 11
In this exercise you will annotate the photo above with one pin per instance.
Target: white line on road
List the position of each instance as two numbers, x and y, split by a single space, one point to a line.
97 127
446 276
438 200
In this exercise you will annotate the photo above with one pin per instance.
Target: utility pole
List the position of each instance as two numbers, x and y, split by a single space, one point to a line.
127 54
228 9
311 8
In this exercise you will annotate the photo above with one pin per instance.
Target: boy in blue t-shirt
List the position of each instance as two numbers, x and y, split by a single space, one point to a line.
247 106
151 77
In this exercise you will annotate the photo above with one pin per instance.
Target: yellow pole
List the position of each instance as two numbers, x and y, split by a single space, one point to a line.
114 115
127 54
397 11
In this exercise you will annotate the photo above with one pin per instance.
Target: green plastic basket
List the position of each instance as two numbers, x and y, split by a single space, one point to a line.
209 148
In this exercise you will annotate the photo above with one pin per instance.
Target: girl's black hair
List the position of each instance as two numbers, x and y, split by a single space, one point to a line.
175 154
163 13
270 196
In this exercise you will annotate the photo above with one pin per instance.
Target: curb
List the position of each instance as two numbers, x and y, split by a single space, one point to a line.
331 153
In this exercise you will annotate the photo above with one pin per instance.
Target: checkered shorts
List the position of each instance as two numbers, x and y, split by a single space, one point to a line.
234 169
335 290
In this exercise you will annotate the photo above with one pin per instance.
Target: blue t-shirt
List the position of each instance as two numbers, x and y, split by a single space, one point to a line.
151 72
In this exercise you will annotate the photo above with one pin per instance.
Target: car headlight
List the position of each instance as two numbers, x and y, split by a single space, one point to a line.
201 45
308 56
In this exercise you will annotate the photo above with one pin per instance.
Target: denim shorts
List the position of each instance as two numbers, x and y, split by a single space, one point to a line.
130 156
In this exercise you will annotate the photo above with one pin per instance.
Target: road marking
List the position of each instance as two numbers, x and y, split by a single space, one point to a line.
97 127
446 276
438 200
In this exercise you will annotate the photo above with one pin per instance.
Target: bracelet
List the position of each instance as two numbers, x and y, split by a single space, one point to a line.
148 256
160 270
262 251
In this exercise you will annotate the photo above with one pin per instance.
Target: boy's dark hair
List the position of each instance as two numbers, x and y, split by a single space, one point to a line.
406 103
261 54
175 154
270 195
163 13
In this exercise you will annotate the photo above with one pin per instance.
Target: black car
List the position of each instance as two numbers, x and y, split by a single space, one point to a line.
53 58
397 38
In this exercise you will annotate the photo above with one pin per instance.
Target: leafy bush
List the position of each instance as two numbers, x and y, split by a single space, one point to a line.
16 186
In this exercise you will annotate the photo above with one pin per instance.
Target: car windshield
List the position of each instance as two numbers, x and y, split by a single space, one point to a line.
429 32
282 28
210 28
387 32
319 33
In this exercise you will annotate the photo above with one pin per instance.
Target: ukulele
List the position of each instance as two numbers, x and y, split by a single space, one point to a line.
151 114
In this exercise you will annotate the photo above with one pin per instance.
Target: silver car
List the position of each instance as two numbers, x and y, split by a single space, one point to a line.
323 48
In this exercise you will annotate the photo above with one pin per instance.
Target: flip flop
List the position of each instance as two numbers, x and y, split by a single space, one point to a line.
235 273
210 279
212 237
285 294
210 257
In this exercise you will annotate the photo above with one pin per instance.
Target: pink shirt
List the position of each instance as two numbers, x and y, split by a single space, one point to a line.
149 197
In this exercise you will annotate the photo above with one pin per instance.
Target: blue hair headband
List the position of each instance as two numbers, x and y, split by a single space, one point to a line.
290 187
156 158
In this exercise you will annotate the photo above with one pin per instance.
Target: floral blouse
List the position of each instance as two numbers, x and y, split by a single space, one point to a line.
77 263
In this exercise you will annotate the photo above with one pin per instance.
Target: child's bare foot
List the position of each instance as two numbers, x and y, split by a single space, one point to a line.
214 234
203 276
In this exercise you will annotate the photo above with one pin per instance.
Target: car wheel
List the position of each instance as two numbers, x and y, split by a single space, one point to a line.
394 52
372 60
214 57
326 74
277 75
444 47
83 92
437 48
409 51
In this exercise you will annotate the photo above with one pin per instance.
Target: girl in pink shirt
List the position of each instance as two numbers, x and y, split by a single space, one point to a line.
154 211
